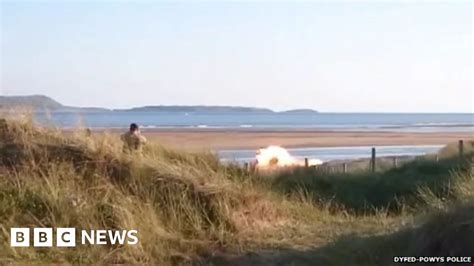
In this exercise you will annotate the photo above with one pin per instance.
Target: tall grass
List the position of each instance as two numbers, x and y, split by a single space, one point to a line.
394 189
186 207
183 205
54 181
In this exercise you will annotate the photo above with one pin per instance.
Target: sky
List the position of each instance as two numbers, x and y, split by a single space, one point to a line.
329 56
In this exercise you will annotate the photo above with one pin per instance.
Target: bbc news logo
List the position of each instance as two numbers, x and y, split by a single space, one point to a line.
66 237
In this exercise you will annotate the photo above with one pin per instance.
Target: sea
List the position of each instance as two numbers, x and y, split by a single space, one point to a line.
392 122
408 122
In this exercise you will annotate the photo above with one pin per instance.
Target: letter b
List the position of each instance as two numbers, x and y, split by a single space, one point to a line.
20 237
43 237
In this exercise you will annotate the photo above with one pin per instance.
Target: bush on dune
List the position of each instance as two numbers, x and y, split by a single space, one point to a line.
394 189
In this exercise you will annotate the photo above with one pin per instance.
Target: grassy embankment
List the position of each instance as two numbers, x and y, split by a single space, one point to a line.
188 208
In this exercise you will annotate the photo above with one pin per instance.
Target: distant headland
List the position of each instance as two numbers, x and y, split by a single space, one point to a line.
45 103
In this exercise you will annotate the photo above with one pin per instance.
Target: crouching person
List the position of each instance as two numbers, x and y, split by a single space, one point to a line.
133 141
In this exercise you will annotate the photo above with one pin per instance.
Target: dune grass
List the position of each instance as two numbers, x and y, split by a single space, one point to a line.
393 189
190 209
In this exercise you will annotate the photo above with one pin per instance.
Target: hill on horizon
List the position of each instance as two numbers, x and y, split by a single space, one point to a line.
40 103
45 103
32 101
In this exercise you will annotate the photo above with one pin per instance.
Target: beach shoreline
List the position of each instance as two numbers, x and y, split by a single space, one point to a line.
225 139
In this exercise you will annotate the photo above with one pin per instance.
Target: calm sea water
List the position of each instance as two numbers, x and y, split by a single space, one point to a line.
326 121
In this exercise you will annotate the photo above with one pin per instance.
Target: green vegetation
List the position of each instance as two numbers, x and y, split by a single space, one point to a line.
190 209
365 191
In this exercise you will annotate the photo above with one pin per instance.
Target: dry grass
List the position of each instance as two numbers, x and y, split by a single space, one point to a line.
187 208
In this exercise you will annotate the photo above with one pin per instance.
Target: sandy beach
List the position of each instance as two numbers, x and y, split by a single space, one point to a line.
190 139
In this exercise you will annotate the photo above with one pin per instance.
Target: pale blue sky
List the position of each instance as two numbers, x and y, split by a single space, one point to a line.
345 56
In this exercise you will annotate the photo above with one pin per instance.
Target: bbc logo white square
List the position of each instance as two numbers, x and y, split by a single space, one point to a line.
20 237
43 237
66 237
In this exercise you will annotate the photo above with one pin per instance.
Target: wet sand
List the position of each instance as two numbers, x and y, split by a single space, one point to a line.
192 139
